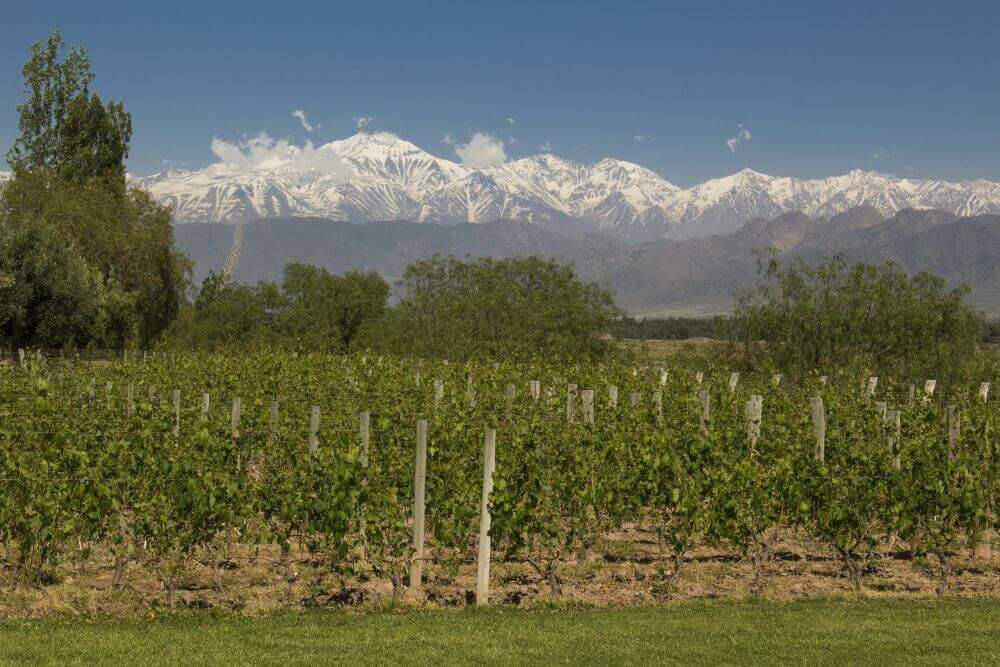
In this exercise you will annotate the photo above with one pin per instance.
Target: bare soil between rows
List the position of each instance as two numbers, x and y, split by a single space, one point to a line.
620 570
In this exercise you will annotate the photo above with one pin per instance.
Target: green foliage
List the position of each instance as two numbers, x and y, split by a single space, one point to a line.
311 310
69 176
51 85
804 317
121 232
50 297
94 140
487 308
670 328
82 470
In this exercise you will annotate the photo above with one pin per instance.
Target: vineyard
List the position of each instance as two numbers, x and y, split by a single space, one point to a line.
347 478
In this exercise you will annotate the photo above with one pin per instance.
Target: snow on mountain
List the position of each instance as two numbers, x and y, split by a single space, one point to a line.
379 176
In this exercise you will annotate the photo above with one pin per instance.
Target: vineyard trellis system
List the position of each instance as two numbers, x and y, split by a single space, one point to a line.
375 465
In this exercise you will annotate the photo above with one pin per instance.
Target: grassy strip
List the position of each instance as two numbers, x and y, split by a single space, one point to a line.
816 631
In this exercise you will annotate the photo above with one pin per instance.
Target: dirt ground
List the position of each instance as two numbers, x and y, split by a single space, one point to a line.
620 569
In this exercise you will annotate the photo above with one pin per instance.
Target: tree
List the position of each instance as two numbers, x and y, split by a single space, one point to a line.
121 232
50 297
326 311
516 307
804 317
94 139
69 174
312 310
51 84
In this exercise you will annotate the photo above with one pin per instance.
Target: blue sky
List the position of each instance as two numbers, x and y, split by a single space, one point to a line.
906 88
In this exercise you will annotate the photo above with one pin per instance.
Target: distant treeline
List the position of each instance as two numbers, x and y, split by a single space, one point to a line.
671 328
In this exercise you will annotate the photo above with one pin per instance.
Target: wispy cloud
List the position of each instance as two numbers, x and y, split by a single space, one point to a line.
447 139
880 153
483 150
361 122
643 139
545 147
265 152
511 121
304 119
742 136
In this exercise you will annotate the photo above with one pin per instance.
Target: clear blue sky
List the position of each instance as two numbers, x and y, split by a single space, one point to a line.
911 88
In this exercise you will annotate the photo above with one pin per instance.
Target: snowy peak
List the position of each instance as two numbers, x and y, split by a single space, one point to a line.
380 176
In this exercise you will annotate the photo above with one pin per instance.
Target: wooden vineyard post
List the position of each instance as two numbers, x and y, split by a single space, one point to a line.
419 488
911 396
613 397
895 424
663 378
658 402
776 379
470 391
570 396
705 401
634 399
90 389
234 427
699 376
438 392
508 401
953 430
206 402
483 558
984 390
151 391
755 410
872 384
314 429
364 431
177 412
587 398
817 414
20 355
734 379
130 400
881 407
535 387
234 418
929 387
272 423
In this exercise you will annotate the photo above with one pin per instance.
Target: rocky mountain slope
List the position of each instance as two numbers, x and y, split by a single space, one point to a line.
692 276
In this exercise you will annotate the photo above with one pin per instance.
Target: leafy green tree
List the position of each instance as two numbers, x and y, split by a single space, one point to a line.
50 297
94 140
326 311
51 84
805 317
516 307
69 174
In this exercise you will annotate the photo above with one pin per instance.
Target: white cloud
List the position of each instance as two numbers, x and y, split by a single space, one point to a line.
447 139
266 152
545 147
880 153
362 121
642 138
511 141
301 115
511 121
483 150
742 136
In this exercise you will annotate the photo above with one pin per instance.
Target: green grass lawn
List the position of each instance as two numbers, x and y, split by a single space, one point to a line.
826 631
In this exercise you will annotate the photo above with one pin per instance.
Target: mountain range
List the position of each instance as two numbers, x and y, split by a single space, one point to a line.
667 276
372 177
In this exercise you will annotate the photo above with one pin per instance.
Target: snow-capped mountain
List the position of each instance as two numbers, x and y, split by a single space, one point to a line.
379 176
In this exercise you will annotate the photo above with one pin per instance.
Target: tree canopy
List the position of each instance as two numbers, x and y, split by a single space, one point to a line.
498 308
819 317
